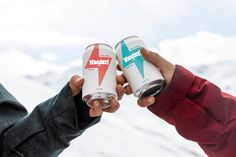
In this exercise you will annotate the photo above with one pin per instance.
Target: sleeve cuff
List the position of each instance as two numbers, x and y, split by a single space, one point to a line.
179 86
84 119
71 111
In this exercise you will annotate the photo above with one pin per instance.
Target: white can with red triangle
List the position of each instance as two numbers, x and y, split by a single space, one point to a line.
99 72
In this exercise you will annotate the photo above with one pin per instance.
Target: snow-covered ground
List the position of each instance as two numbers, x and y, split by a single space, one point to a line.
134 131
131 131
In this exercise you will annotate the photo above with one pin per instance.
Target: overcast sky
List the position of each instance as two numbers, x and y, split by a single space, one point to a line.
59 30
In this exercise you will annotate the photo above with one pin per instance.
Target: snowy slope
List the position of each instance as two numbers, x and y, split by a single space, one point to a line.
132 131
27 92
222 73
55 80
118 134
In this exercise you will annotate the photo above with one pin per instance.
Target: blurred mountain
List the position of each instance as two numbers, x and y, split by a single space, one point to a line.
55 80
223 74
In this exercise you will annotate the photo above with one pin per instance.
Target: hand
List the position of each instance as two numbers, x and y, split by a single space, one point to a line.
76 84
167 69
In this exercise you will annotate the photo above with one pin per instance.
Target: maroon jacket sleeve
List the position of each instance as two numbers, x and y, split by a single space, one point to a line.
200 111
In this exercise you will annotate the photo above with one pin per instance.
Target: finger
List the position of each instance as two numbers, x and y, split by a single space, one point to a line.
114 106
118 67
145 102
166 68
120 91
96 109
76 83
128 90
121 79
156 59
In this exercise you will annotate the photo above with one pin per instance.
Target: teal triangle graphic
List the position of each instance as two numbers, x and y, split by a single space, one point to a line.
132 56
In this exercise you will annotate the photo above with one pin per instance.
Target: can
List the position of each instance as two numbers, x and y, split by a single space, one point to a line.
144 78
99 72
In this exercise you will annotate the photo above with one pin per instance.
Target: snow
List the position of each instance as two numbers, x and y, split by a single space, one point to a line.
131 131
134 131
222 73
27 92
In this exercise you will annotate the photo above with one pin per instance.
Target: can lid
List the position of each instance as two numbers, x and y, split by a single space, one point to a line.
98 44
134 36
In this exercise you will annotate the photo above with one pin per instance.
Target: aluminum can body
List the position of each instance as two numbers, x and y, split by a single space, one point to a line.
144 78
99 72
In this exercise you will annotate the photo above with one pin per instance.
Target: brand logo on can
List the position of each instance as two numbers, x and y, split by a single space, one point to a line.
101 63
132 56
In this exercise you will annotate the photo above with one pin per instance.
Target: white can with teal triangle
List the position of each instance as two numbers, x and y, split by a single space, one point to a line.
144 78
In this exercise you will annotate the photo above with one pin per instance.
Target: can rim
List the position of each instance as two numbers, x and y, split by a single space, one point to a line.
125 39
99 44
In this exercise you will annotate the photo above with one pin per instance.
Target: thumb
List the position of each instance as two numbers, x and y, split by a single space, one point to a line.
76 83
156 60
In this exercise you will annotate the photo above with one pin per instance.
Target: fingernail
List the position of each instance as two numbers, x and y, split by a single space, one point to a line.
151 99
79 79
113 101
80 82
96 104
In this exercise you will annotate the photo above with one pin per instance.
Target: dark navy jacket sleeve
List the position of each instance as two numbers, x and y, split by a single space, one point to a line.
47 131
10 109
10 112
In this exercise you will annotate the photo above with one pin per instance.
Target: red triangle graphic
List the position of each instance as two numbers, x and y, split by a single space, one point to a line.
101 63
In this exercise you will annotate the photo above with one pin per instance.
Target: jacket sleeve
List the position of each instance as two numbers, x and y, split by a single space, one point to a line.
10 112
10 109
200 111
48 130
